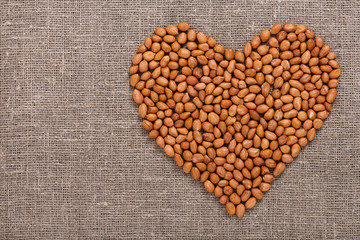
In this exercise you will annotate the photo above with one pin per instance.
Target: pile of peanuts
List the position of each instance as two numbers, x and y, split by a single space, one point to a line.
234 119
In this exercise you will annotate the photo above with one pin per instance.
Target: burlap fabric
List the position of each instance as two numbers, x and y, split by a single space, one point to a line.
76 163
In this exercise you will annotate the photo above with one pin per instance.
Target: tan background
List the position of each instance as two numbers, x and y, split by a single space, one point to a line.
75 162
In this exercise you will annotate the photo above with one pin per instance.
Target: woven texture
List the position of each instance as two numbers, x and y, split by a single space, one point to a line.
75 162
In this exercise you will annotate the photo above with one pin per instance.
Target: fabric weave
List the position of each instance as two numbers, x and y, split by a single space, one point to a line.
75 162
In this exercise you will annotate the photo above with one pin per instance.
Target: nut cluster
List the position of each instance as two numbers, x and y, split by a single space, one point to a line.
234 119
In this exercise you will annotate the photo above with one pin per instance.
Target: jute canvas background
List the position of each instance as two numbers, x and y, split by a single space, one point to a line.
75 162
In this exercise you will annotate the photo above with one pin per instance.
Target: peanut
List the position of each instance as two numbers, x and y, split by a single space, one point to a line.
234 119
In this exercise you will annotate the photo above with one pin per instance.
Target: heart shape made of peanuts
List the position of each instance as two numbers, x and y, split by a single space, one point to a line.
234 119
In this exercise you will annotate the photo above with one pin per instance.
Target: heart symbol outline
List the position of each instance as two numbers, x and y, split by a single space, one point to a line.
234 119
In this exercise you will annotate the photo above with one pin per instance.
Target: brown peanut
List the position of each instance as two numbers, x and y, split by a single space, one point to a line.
233 120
